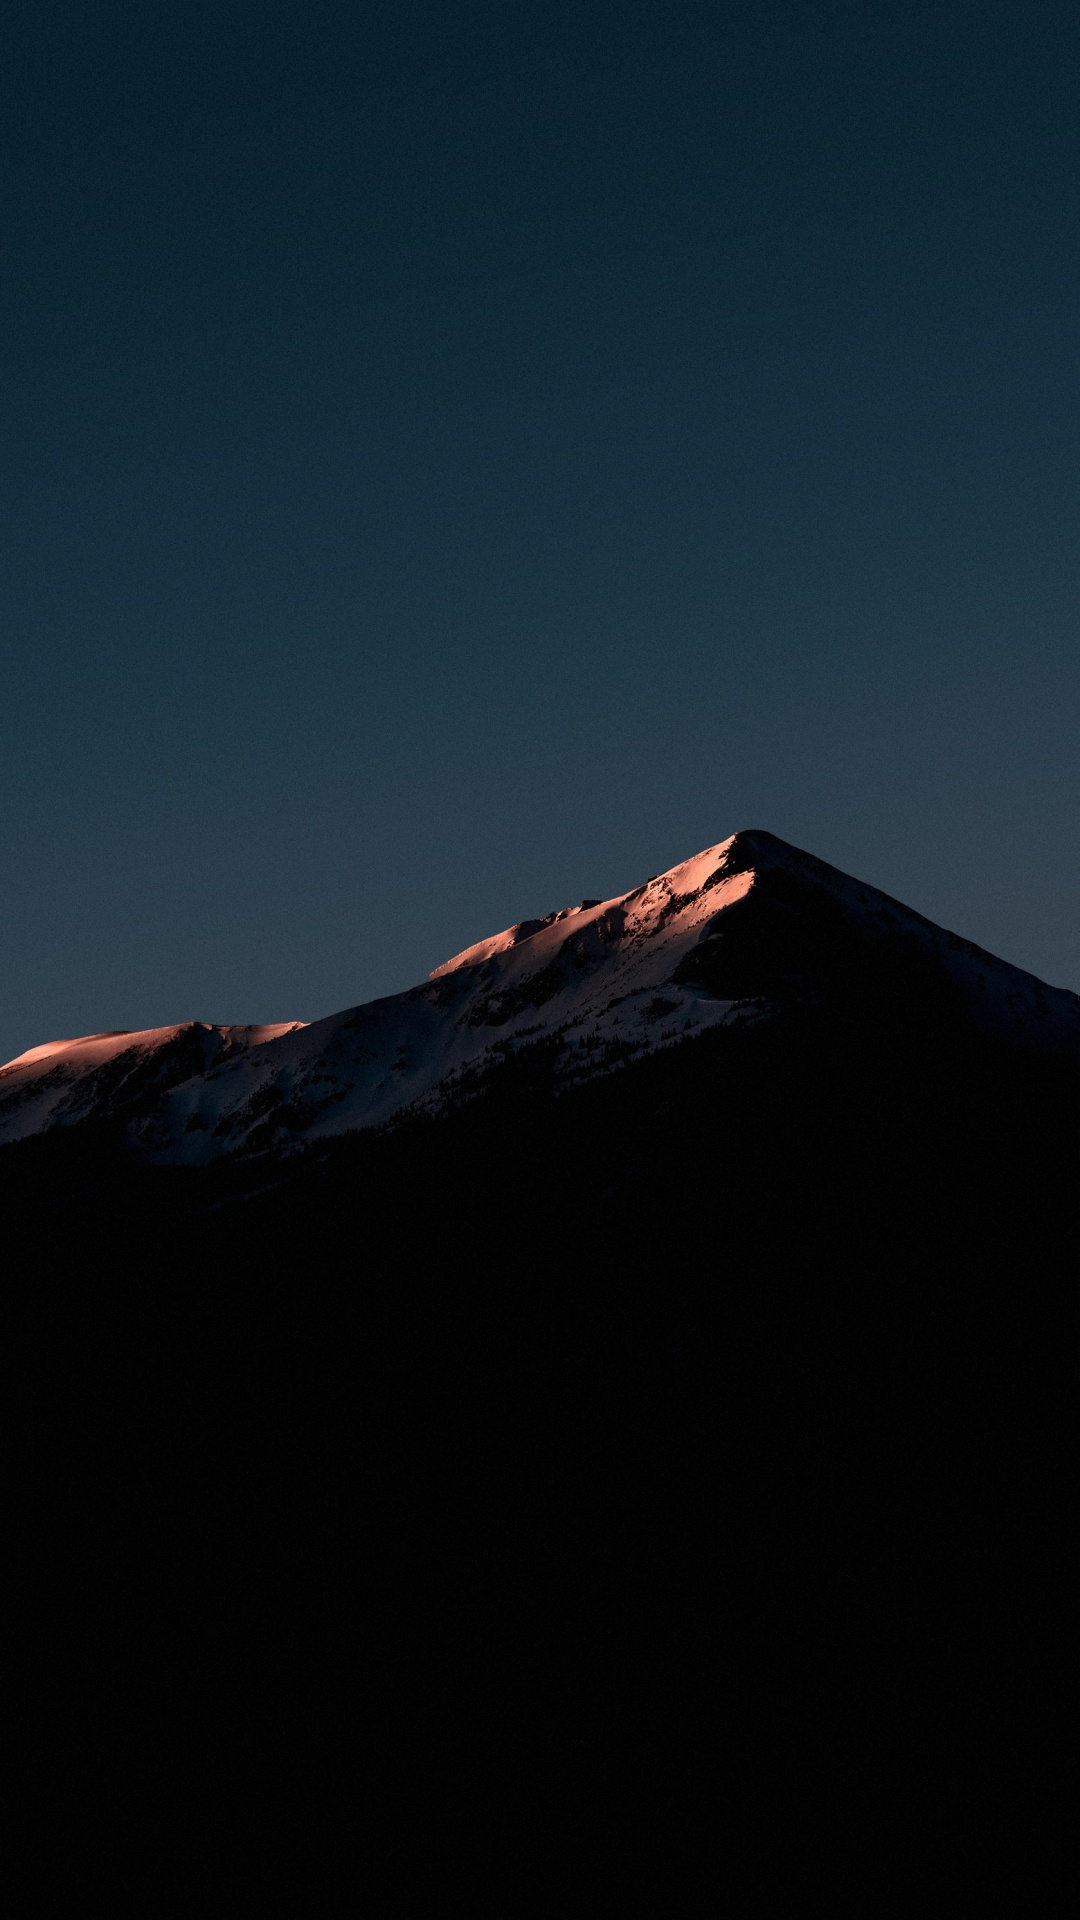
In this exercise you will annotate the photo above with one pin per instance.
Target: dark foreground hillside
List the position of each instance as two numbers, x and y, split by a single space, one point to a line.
568 1501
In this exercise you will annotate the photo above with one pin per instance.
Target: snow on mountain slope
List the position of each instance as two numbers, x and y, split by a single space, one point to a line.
588 977
725 936
108 1074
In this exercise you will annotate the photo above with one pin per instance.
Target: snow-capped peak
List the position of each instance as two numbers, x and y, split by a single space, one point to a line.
642 911
725 936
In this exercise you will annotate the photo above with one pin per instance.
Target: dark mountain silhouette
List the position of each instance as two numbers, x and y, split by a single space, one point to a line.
620 1456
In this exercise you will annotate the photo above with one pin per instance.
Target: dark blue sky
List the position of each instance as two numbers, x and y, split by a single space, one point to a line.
457 458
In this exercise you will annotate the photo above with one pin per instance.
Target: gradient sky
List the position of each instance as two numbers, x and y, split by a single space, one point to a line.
459 458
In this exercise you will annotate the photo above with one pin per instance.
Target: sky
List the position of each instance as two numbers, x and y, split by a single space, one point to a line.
457 459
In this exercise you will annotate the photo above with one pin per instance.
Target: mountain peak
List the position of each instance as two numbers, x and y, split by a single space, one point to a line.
643 905
747 926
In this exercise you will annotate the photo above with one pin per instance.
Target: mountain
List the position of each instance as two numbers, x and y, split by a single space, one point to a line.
645 1461
734 935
